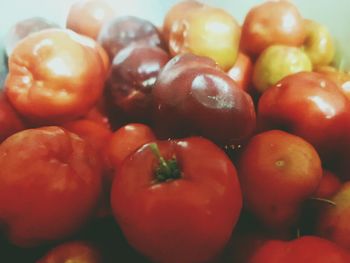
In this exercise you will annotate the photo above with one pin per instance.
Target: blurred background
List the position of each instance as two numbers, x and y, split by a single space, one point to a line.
332 13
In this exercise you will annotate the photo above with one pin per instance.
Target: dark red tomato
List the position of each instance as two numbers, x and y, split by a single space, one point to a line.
179 203
306 249
132 77
124 30
50 184
309 105
193 97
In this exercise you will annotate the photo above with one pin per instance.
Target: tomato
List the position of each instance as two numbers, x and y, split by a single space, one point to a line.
306 249
181 207
309 105
74 251
50 184
192 96
277 172
10 122
333 223
272 22
242 70
125 141
341 78
55 75
86 17
329 185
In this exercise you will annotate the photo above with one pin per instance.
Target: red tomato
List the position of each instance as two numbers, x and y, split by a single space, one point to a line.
306 249
55 75
183 211
97 135
94 133
86 17
333 223
272 22
341 78
10 122
125 141
310 106
242 71
329 185
50 184
278 171
74 251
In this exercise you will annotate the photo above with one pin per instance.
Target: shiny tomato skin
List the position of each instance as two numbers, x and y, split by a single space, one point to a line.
189 219
10 122
272 22
308 105
55 75
306 249
73 251
50 184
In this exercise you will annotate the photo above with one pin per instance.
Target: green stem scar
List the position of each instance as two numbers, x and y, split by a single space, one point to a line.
167 169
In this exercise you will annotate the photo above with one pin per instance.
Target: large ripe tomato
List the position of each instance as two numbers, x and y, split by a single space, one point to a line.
182 211
50 184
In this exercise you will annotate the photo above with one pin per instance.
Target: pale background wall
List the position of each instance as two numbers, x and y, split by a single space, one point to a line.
333 13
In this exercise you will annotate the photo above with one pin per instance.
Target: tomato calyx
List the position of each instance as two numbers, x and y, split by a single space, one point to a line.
167 169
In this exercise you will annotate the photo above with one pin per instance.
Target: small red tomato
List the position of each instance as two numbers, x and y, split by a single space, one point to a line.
178 203
242 70
86 17
50 184
333 222
329 185
55 75
74 251
309 105
97 135
10 122
278 172
306 249
270 23
125 141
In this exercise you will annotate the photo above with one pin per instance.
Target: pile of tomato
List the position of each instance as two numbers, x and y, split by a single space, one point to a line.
199 141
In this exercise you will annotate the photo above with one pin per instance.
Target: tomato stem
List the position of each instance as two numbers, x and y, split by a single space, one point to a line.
167 169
